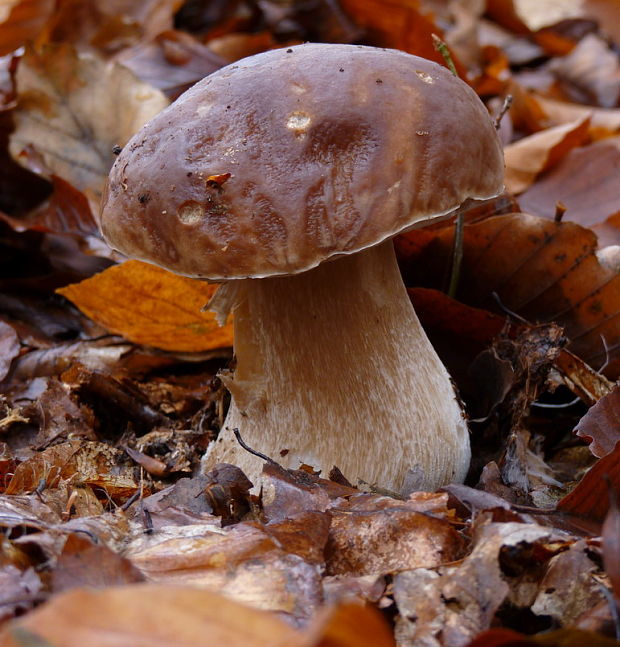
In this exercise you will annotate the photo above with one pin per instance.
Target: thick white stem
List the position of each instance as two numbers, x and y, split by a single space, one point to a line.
334 368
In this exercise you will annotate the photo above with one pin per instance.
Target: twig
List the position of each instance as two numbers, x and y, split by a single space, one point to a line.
254 452
442 48
503 110
507 310
457 254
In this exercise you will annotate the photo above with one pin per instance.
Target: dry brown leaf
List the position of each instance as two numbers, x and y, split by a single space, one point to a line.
568 587
9 348
172 62
146 615
73 108
533 155
589 500
110 26
585 181
451 608
151 306
537 14
601 424
611 543
268 567
398 24
542 270
603 121
83 563
349 625
376 535
590 73
21 21
89 463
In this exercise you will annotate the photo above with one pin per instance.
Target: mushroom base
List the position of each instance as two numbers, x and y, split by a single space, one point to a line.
334 368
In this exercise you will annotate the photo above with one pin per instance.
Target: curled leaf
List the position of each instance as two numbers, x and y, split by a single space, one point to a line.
151 306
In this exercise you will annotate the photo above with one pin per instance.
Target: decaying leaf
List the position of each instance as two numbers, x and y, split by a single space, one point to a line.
398 24
88 463
541 270
530 156
21 21
371 535
9 348
450 608
266 566
68 111
601 424
147 615
589 500
85 564
151 306
585 181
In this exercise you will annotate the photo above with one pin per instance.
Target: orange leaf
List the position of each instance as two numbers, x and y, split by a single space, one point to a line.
21 21
532 155
399 24
151 306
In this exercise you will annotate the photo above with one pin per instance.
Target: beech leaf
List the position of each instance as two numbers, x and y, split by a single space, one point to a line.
74 107
21 21
601 424
589 500
151 306
532 155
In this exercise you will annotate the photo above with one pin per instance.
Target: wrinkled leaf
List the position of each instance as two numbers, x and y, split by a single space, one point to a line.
601 424
9 348
21 21
73 108
585 181
589 500
151 306
530 156
541 270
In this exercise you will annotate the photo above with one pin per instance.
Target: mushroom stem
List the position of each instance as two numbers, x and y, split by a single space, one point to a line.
334 368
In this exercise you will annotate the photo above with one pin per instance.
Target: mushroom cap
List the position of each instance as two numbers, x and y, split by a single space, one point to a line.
282 160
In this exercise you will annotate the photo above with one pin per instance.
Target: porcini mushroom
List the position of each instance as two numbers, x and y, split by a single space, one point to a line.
285 175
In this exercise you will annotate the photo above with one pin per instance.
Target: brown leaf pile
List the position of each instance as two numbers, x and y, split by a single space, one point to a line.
109 388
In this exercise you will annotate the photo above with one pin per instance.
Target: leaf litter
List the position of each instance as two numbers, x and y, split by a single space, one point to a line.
111 394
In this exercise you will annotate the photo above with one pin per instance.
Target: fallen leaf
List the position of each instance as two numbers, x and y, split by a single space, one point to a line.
398 24
145 615
568 587
603 121
589 500
264 566
94 464
21 21
85 564
453 607
533 155
542 270
349 625
585 181
19 590
112 26
172 62
151 306
536 14
68 110
601 425
9 348
375 535
611 542
590 73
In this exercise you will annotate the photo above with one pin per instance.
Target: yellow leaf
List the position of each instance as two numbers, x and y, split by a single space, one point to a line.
151 306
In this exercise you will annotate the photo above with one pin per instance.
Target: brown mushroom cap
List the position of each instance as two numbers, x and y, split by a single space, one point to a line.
282 160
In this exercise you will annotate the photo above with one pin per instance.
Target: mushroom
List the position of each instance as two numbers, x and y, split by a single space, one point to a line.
284 176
